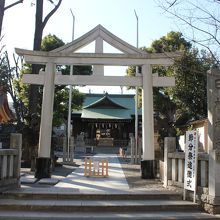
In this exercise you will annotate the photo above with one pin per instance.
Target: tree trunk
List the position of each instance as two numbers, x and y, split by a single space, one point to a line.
2 6
34 89
2 10
38 25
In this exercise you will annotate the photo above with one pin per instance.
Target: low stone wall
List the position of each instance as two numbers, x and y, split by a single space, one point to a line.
10 163
173 172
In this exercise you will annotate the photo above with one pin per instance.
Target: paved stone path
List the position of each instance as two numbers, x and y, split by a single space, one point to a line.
114 183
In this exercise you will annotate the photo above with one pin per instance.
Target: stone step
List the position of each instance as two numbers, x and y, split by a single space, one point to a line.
25 215
96 205
47 203
47 193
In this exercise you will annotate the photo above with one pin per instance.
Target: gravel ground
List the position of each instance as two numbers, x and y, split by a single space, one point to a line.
133 176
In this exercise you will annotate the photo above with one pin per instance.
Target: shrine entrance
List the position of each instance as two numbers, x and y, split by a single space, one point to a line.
109 133
67 55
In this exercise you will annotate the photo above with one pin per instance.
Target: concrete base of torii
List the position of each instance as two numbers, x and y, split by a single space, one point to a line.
148 169
43 168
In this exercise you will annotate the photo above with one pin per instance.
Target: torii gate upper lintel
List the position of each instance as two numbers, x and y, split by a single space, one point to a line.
66 55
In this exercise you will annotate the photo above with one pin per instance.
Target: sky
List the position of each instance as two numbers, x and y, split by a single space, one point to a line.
115 15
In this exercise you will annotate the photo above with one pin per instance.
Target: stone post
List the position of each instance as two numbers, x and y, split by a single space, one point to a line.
64 143
139 149
16 142
169 147
132 142
213 92
71 154
147 164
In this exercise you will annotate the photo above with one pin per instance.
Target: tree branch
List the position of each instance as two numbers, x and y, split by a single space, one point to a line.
208 35
210 51
9 76
195 27
172 4
51 13
13 4
206 12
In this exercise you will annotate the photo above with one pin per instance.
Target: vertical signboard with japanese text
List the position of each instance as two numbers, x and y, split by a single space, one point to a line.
191 162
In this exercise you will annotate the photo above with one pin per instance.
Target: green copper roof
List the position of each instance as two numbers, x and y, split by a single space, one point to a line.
125 100
105 102
108 106
95 113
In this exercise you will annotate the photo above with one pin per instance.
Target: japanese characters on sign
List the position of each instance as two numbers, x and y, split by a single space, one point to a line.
191 160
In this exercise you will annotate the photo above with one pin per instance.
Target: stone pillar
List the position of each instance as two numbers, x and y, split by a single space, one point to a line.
71 154
169 147
139 149
43 161
64 144
132 143
16 142
147 164
213 92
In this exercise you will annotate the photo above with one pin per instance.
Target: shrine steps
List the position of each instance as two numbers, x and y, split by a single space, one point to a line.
61 205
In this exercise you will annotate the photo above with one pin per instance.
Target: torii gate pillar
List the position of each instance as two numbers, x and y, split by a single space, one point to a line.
147 164
43 161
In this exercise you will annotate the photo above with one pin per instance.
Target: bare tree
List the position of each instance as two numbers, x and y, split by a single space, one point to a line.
40 23
3 8
199 21
10 77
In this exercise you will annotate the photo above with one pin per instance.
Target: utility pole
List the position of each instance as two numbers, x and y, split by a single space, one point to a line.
70 99
136 103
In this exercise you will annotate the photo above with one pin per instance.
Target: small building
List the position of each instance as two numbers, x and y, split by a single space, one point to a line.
6 116
106 119
202 127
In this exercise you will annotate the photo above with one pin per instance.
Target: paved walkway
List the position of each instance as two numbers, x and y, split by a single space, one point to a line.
114 183
124 178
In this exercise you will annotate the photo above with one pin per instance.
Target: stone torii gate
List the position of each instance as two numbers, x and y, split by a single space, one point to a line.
67 55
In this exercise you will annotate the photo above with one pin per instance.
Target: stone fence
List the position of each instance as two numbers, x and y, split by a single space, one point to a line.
10 163
174 163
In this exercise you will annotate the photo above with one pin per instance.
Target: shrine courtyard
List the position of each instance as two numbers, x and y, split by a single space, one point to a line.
122 177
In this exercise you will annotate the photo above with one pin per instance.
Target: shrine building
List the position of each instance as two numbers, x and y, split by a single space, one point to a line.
106 119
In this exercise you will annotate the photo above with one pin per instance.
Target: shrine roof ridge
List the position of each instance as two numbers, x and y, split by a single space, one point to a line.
104 100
